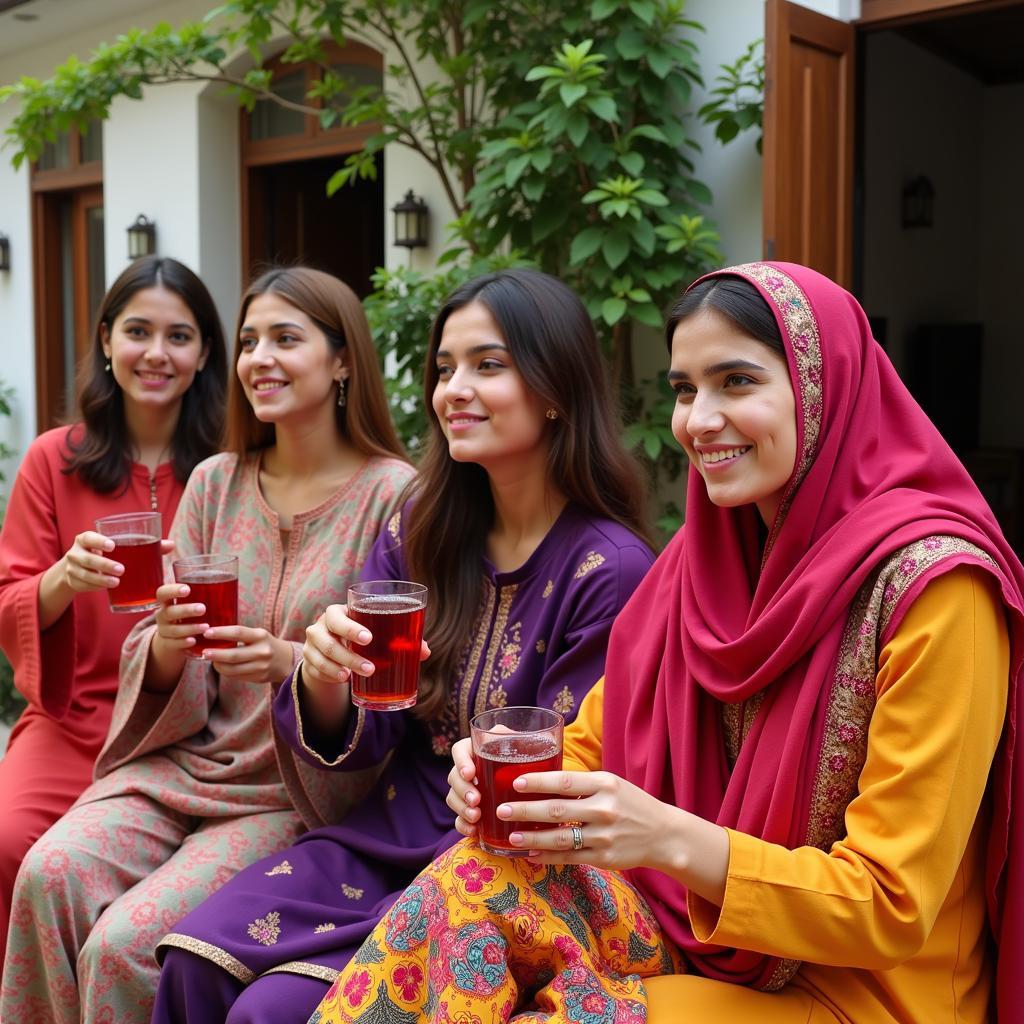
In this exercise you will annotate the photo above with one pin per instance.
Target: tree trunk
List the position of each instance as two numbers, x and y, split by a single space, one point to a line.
622 358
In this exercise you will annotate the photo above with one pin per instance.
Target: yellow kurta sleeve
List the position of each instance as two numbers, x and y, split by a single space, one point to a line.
871 901
582 740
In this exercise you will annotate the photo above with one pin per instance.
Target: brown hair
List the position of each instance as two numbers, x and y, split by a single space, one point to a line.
102 455
552 341
364 420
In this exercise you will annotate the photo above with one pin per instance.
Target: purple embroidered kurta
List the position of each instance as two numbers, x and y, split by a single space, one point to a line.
540 639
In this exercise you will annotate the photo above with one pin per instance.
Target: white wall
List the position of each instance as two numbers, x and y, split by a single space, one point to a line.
17 349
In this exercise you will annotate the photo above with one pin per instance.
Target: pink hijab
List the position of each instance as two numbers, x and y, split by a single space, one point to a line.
877 506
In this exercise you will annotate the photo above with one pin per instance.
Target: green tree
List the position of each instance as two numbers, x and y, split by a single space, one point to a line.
558 131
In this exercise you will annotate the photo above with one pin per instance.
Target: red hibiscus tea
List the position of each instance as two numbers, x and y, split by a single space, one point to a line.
213 581
136 536
507 743
393 611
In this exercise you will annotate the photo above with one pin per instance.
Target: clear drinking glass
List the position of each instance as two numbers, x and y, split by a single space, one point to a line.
392 610
213 581
136 536
507 743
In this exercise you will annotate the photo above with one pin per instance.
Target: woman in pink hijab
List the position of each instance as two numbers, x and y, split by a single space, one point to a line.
790 799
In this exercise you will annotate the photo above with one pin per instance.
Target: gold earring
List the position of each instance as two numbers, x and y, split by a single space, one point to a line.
342 397
551 413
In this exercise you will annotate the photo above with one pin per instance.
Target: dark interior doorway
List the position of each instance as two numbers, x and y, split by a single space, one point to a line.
292 220
940 101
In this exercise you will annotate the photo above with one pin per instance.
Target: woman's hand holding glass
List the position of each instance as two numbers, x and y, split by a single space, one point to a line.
463 797
86 566
257 655
327 655
617 825
172 633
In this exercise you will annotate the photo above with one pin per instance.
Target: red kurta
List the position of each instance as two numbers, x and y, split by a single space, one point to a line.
68 673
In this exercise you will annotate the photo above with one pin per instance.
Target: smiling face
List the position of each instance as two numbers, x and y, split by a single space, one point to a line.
286 366
155 348
480 399
735 412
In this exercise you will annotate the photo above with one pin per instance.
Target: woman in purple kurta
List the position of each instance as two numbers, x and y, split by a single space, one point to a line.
268 944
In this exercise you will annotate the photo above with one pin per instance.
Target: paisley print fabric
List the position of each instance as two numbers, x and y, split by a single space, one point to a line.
479 939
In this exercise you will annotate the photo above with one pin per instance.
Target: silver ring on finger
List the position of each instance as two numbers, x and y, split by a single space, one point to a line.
577 837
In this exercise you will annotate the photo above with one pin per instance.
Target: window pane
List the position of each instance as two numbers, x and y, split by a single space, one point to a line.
355 75
92 144
56 156
270 120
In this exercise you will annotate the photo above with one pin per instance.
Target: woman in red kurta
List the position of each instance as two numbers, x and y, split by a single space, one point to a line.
150 408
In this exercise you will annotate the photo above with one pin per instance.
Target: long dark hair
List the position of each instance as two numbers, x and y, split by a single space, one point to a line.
552 341
364 420
101 455
735 298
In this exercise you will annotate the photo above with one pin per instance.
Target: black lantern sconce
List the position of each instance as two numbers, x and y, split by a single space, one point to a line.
5 253
141 238
410 222
918 202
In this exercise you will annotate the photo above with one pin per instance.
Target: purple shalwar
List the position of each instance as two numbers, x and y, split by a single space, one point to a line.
267 945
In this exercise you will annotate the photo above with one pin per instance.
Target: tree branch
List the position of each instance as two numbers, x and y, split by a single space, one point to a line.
438 162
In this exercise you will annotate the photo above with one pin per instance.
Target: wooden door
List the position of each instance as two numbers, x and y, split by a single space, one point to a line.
808 139
88 263
70 275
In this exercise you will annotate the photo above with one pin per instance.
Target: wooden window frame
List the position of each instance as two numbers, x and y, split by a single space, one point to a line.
314 141
892 13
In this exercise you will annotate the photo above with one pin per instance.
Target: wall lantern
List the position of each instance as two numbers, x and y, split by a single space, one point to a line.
5 253
917 203
410 222
141 238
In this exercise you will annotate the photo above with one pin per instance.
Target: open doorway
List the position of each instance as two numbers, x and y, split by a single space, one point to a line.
940 160
292 220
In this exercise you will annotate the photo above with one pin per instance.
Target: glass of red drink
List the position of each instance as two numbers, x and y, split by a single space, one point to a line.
136 536
213 581
392 610
507 743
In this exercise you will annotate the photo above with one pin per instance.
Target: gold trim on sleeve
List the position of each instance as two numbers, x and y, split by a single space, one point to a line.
360 724
208 951
328 974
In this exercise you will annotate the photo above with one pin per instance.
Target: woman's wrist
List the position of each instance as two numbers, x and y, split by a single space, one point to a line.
54 595
327 704
163 666
283 662
693 851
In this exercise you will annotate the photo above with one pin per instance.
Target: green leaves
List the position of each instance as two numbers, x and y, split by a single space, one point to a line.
738 102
